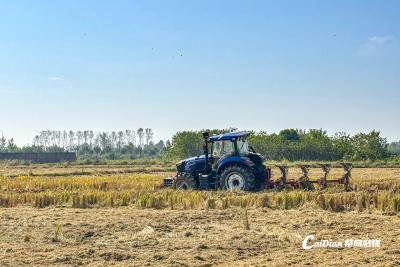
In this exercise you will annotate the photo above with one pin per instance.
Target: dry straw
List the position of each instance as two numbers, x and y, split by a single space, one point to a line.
142 190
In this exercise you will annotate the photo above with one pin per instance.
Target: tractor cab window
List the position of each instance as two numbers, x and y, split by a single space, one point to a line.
223 148
243 146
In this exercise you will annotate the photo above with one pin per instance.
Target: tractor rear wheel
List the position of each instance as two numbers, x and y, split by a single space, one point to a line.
238 178
184 182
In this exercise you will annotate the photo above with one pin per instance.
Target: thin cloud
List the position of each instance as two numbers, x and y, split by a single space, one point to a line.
380 40
55 78
375 44
7 91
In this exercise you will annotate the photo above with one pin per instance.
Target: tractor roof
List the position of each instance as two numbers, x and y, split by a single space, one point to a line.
228 136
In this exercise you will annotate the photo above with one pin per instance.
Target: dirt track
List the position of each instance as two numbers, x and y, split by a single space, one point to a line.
131 236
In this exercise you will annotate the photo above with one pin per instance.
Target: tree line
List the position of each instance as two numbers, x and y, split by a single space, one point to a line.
297 144
88 144
288 144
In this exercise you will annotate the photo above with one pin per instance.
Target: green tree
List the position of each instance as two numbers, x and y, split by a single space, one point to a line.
290 134
369 146
3 144
185 144
343 145
11 146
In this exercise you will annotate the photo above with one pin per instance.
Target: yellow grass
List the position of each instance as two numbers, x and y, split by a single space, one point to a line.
375 189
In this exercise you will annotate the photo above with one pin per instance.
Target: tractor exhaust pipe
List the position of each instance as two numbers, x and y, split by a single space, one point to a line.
206 135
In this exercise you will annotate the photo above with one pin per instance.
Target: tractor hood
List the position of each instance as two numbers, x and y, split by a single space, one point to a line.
191 164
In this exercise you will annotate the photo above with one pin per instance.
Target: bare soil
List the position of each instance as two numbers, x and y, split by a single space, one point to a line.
130 236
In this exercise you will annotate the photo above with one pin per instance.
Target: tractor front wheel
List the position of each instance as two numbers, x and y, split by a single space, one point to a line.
238 178
184 182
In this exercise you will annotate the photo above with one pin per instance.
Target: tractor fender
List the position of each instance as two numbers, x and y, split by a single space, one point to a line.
243 161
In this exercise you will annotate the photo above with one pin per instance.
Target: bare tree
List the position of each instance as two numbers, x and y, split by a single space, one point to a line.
140 134
120 140
48 138
59 138
85 137
3 143
43 138
133 138
79 137
96 141
103 140
128 136
91 136
52 138
149 135
113 137
36 140
71 136
64 139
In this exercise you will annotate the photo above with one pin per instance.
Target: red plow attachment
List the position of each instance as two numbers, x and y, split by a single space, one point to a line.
304 182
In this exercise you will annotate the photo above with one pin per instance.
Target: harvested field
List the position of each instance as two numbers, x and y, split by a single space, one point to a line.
134 237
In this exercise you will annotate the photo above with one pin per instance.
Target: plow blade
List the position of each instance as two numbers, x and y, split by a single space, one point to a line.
304 182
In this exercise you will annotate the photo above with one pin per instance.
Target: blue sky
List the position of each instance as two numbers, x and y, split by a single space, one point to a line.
176 65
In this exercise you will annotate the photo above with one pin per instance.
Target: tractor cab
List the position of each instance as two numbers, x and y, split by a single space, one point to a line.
224 148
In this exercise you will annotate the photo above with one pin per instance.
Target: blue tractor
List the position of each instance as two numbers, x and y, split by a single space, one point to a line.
228 163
